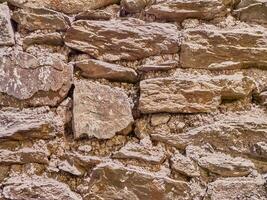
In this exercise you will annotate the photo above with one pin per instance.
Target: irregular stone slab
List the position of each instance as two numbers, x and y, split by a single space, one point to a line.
179 10
41 18
6 30
220 163
54 39
100 111
260 150
144 151
234 133
135 6
184 165
191 93
226 48
23 156
34 123
27 81
165 66
252 11
236 188
130 39
114 181
66 6
98 69
36 187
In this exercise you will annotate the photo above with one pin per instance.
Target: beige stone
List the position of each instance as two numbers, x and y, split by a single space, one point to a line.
6 29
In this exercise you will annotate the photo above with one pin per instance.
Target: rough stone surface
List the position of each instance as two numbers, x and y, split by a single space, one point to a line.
132 39
100 111
29 188
43 38
29 81
227 48
192 94
135 6
6 29
26 124
98 69
179 10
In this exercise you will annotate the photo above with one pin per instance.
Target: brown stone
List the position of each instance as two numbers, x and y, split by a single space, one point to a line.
114 181
6 30
35 187
135 6
220 163
98 69
27 81
129 39
236 188
192 93
34 123
143 151
41 18
165 66
179 10
100 111
224 48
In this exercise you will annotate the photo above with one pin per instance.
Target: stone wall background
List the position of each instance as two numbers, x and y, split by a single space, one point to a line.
133 99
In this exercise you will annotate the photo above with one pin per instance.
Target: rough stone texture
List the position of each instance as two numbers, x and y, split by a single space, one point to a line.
220 163
29 188
98 69
191 94
179 10
135 6
132 39
41 18
254 11
112 180
227 48
144 151
6 29
39 123
29 81
100 111
43 38
236 188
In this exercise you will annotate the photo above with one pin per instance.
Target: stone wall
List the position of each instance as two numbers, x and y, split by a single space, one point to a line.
133 99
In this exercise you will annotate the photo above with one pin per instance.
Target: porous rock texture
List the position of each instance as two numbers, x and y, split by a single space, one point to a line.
133 99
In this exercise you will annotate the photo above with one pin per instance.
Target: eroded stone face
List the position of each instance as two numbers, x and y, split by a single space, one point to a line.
235 47
36 187
130 39
179 10
116 181
6 29
27 81
100 111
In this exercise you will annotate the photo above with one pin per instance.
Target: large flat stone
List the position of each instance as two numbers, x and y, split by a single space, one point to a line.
191 93
130 39
27 81
100 111
6 30
236 47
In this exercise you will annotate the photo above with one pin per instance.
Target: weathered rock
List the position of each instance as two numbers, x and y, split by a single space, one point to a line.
165 66
132 39
36 187
191 93
28 81
233 133
260 150
184 165
227 48
252 11
22 156
135 6
111 181
41 18
35 123
179 10
236 188
43 38
220 163
100 111
86 162
98 69
6 30
263 98
143 151
94 15
159 119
